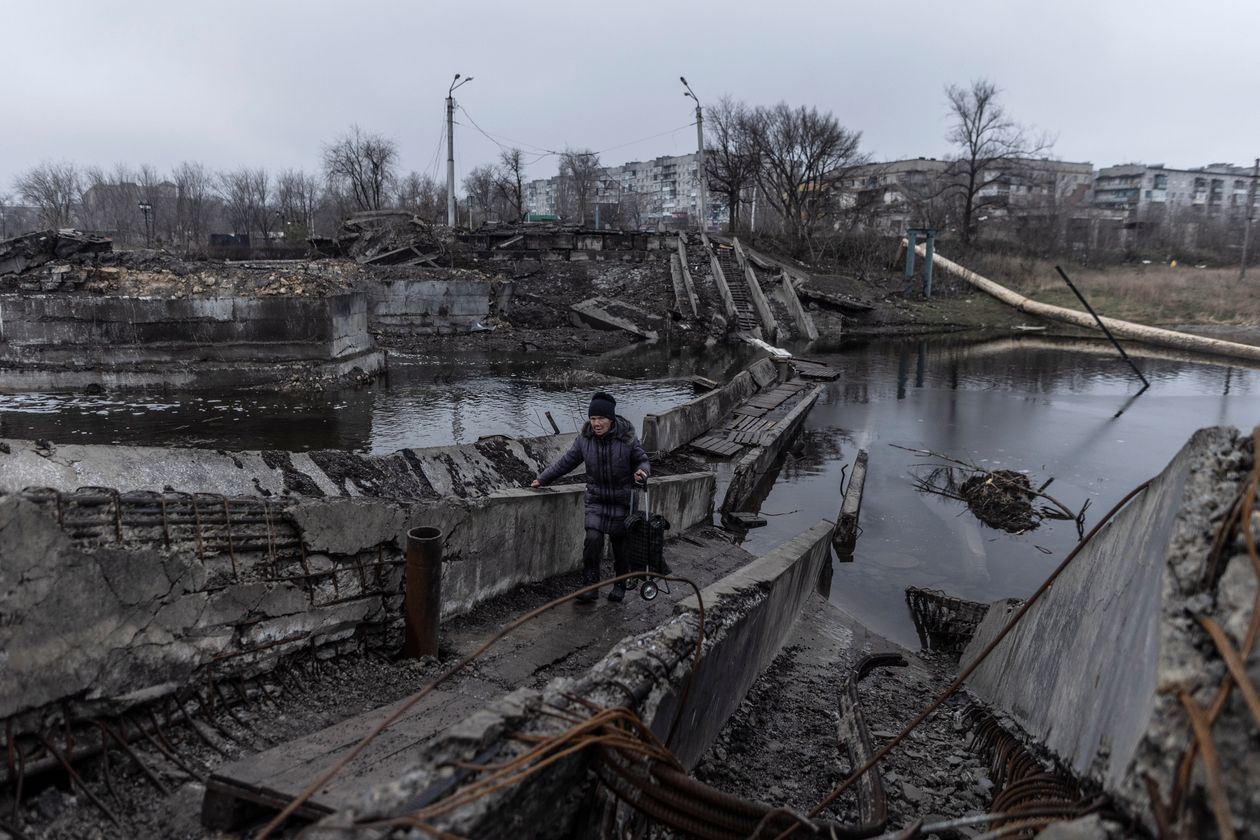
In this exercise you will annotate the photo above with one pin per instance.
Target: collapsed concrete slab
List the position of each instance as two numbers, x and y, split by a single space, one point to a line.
1096 669
748 615
606 314
675 428
756 466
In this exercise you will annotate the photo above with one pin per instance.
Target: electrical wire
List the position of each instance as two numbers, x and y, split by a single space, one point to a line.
549 152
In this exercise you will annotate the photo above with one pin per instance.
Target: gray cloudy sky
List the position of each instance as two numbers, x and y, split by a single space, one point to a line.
267 82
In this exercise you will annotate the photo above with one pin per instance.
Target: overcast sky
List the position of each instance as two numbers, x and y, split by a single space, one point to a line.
268 82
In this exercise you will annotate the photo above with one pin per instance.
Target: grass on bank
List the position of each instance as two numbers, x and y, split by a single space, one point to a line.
1148 294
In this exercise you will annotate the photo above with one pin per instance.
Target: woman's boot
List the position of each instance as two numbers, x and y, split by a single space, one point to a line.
590 574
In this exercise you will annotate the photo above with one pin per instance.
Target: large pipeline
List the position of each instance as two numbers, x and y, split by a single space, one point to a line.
1122 329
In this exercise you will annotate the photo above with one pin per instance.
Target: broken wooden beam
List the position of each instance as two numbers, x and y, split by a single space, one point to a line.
846 534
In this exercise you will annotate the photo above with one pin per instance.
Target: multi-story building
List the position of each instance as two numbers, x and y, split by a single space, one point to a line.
664 190
1218 189
894 195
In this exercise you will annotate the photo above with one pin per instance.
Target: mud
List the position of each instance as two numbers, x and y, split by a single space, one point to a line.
781 745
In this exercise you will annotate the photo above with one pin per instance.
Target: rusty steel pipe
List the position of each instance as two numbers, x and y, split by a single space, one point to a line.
422 600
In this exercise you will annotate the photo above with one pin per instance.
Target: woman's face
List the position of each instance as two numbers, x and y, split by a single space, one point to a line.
600 425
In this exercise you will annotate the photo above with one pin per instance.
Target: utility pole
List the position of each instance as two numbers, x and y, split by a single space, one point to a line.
1251 210
704 210
450 148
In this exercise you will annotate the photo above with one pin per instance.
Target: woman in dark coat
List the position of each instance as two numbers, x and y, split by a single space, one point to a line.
614 461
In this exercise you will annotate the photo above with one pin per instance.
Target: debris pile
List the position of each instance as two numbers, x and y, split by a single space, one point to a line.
1001 499
389 237
35 249
145 274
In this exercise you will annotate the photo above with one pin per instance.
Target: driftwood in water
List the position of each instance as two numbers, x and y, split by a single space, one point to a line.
999 498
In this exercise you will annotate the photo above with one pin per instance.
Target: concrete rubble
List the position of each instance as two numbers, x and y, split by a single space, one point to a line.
35 249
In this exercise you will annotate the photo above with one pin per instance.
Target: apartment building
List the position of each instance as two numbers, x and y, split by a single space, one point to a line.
662 191
894 195
1215 190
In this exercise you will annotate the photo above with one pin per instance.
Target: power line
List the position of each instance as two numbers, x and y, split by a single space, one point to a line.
432 170
549 152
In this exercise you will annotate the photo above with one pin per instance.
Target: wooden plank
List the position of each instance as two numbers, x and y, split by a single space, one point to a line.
713 446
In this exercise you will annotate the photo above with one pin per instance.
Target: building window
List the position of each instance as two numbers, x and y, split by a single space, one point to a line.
1161 182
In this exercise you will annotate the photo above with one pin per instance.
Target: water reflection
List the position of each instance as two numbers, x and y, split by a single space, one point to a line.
422 402
1056 408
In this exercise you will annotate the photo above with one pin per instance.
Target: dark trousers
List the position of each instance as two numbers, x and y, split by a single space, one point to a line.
593 552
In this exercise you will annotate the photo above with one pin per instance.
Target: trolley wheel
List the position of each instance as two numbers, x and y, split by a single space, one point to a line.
648 590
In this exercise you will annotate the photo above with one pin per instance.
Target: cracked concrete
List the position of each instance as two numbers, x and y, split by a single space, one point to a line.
157 616
1094 668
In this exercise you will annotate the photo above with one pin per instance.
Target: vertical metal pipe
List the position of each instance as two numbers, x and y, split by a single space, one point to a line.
912 242
927 263
422 599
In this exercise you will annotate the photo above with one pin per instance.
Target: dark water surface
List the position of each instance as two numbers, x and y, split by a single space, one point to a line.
1030 404
424 401
1025 403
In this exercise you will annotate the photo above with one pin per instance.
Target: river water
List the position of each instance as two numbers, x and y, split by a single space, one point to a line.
1067 410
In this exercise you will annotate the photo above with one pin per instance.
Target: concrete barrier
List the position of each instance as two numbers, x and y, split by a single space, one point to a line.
758 463
804 322
770 591
755 294
433 306
112 598
748 616
188 339
1091 670
682 424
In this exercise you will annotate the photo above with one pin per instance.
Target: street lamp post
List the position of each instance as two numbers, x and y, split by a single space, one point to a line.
146 208
704 210
450 147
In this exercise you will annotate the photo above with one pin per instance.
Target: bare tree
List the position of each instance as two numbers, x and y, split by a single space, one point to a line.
579 170
481 187
297 194
261 212
510 182
159 195
992 149
422 195
110 203
54 188
804 157
193 197
364 164
237 193
730 157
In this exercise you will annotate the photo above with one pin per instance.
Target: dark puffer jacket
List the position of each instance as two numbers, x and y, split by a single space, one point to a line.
611 462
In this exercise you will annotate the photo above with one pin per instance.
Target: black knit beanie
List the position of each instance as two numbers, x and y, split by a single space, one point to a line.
602 405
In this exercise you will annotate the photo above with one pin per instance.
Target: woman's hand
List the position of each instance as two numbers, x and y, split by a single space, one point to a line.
640 475
535 483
